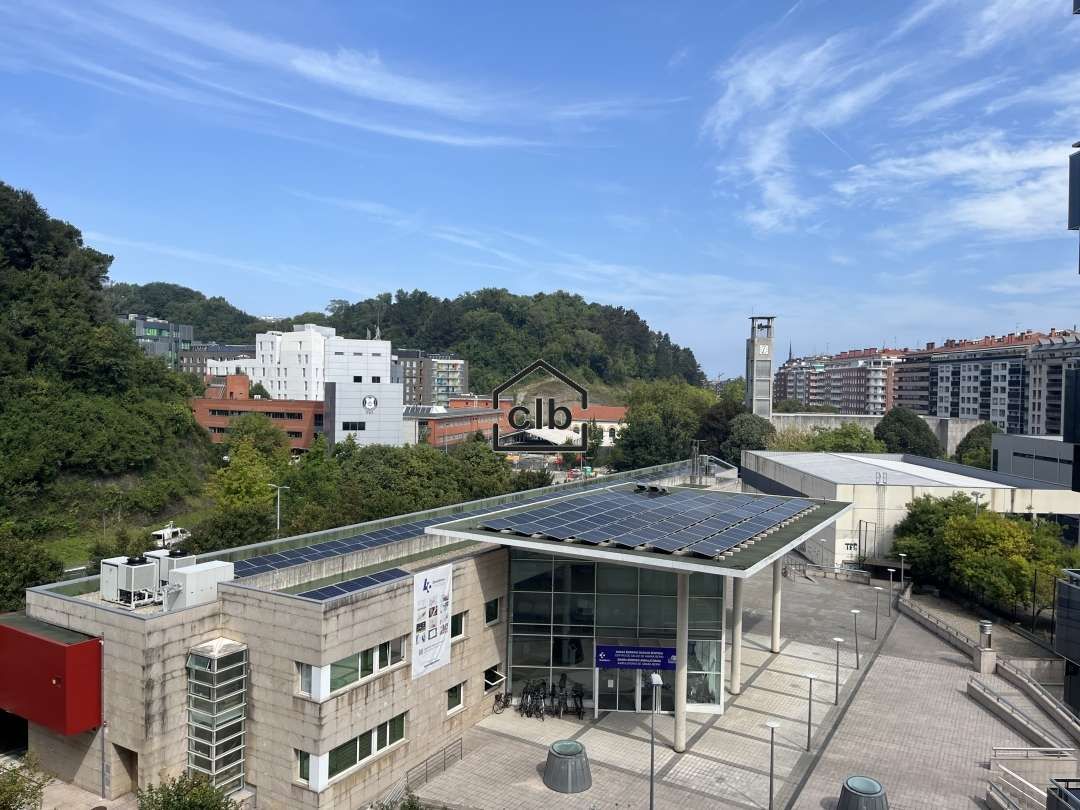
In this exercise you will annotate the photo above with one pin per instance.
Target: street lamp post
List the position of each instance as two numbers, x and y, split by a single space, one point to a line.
839 641
772 725
891 593
978 496
810 709
877 600
656 682
901 556
278 487
855 615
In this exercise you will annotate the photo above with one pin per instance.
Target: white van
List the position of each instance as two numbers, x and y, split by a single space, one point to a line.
170 535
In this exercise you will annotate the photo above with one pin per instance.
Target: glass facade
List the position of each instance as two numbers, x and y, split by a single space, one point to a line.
561 608
217 709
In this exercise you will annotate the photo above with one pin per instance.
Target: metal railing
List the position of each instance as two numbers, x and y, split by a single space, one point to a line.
1005 705
433 765
1041 693
1002 796
960 637
1063 794
806 568
1016 791
1033 753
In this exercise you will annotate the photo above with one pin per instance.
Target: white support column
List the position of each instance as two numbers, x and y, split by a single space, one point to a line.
723 644
736 635
777 581
682 644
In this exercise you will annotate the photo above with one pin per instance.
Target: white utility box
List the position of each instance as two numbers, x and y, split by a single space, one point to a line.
196 584
128 580
168 559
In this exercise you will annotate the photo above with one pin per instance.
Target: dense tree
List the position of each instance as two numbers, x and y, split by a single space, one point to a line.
530 479
733 391
792 440
22 783
24 563
661 419
904 431
245 482
258 390
596 449
228 528
185 792
847 438
748 432
258 429
974 448
496 331
999 559
715 426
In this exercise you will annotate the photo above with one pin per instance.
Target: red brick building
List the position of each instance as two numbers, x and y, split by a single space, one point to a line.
230 397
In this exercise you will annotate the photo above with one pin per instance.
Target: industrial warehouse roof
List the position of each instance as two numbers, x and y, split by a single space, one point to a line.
680 528
898 470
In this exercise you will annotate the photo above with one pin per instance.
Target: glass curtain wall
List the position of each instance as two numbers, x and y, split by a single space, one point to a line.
562 607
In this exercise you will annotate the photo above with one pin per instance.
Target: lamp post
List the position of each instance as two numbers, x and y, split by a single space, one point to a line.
278 487
891 593
772 725
855 615
839 641
877 600
656 682
810 709
978 496
901 556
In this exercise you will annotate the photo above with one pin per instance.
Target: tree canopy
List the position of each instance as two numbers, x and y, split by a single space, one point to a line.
849 437
661 419
904 431
974 449
185 792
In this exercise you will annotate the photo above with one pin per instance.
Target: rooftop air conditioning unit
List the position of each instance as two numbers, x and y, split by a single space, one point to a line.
128 581
168 559
196 584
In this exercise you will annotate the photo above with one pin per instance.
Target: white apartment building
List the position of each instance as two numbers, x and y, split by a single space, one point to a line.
356 378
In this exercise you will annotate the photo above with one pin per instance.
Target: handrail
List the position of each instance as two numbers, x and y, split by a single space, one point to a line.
1020 787
1003 796
1009 707
1058 704
1011 752
948 628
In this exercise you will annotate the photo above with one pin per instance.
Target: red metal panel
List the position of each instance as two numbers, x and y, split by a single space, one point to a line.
50 683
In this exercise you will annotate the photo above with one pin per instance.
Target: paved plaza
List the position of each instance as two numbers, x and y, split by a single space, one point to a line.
903 718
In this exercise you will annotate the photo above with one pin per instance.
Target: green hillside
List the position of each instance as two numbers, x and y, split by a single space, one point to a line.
90 428
496 331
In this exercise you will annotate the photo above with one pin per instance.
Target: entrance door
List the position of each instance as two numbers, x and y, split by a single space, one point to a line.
619 690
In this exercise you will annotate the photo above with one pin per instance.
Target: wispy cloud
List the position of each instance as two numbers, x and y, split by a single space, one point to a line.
679 57
948 99
1038 283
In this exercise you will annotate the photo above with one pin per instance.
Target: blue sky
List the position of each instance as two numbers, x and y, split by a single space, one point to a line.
869 172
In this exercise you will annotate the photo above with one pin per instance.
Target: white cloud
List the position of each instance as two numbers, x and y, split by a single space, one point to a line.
1038 283
949 98
680 56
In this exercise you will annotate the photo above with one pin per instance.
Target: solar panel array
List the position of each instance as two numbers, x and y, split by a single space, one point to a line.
373 539
355 585
675 522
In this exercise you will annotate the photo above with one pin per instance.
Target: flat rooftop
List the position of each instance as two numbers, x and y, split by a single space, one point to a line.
897 469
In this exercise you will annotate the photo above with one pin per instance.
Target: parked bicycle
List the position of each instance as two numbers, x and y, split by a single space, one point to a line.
502 701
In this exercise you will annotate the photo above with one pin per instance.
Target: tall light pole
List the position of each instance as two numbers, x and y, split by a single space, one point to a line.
278 487
978 496
772 725
877 600
810 709
891 593
656 682
901 556
855 615
839 641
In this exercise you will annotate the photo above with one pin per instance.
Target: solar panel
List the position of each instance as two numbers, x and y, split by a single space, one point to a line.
670 543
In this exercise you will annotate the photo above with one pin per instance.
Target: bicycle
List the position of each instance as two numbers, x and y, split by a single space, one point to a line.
578 693
502 700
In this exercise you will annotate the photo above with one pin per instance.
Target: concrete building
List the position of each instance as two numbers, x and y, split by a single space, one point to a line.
803 379
1047 363
446 427
759 354
860 381
880 486
160 338
609 418
195 360
357 379
432 378
321 671
949 432
229 397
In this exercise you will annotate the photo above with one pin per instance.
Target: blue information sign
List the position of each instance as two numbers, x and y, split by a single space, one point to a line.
609 656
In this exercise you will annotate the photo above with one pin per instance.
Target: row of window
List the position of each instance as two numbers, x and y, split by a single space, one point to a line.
353 426
358 378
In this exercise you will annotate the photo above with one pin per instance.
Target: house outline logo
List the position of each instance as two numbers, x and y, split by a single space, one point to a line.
553 413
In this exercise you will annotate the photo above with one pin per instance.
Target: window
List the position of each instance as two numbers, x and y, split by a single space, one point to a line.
357 378
357 354
453 697
339 354
376 379
491 611
303 671
344 672
352 426
343 757
303 766
457 624
493 677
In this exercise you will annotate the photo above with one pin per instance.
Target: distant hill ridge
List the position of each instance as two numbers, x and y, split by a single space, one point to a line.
498 332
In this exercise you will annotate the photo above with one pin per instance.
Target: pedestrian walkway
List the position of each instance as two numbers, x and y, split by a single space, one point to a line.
1006 642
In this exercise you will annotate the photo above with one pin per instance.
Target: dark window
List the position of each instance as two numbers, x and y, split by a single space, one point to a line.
347 426
376 379
457 624
357 378
318 420
294 434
